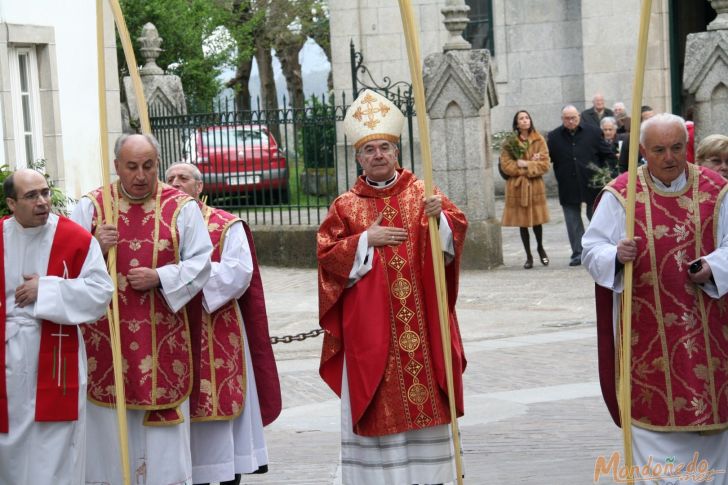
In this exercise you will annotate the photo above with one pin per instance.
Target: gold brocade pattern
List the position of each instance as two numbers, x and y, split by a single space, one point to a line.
220 392
679 342
367 116
389 338
408 329
155 341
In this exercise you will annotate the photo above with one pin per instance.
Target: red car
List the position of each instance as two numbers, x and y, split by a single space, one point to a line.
242 161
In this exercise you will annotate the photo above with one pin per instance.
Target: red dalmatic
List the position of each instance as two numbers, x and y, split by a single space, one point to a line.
679 337
155 342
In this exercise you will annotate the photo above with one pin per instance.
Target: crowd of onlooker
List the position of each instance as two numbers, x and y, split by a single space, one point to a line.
586 151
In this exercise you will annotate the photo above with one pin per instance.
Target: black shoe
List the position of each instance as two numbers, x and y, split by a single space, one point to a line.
543 256
575 262
261 469
529 263
234 481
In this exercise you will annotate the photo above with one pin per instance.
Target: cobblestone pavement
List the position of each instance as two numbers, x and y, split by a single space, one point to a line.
534 413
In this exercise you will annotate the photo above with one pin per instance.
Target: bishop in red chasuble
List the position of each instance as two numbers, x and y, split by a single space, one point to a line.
382 350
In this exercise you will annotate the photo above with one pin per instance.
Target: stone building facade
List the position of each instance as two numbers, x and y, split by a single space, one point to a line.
546 53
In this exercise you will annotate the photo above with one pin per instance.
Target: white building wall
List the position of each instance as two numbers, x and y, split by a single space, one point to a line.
76 72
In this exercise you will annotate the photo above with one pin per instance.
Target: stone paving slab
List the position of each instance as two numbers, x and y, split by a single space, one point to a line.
533 410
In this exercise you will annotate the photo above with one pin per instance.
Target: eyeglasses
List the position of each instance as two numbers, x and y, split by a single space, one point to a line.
34 195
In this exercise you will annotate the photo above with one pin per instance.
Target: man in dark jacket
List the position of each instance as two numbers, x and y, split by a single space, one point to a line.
594 115
577 151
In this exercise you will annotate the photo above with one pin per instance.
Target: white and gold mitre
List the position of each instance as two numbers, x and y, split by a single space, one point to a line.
372 117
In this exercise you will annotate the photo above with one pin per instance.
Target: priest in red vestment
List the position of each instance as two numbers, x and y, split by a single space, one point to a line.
236 390
679 340
382 350
163 260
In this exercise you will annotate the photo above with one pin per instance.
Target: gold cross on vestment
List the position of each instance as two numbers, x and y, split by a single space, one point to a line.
57 369
371 110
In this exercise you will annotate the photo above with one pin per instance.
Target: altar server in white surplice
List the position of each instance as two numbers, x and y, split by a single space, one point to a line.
53 278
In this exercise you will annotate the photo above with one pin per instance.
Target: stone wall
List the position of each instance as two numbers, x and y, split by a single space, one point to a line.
555 52
548 53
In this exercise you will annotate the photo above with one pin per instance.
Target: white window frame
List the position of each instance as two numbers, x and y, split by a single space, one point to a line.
36 119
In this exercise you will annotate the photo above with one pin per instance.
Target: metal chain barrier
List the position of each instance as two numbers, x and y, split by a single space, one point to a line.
299 337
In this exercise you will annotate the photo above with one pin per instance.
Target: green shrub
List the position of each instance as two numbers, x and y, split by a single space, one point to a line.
318 134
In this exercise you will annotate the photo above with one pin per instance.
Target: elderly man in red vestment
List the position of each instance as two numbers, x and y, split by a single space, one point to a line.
236 390
163 261
382 350
679 339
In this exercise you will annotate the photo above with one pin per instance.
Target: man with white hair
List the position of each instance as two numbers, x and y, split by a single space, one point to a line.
679 345
163 260
594 115
236 389
624 121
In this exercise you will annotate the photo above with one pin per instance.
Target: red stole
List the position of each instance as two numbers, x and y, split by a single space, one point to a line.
387 323
220 385
155 341
678 337
57 384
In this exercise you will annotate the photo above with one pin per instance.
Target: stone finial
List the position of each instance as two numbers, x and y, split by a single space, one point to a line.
456 19
721 21
150 41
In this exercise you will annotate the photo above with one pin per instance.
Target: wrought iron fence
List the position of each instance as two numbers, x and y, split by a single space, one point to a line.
269 166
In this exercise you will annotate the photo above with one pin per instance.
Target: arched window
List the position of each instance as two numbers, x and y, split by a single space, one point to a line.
479 31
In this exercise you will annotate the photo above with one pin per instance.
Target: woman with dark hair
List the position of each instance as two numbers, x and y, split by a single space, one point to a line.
525 159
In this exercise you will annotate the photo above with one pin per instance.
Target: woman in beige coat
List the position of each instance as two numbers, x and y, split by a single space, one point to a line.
525 159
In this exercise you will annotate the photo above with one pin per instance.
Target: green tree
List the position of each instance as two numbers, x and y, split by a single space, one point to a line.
282 25
184 25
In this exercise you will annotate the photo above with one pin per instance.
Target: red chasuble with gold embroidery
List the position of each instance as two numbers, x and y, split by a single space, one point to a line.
679 336
219 391
387 323
155 342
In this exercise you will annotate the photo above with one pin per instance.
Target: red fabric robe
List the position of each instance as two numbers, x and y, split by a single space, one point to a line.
387 323
678 332
229 399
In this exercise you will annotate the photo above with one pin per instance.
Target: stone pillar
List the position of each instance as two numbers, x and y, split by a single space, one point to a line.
460 92
705 76
163 92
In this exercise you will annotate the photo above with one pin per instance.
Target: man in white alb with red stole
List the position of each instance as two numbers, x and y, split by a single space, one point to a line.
53 278
163 261
233 395
382 350
679 337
